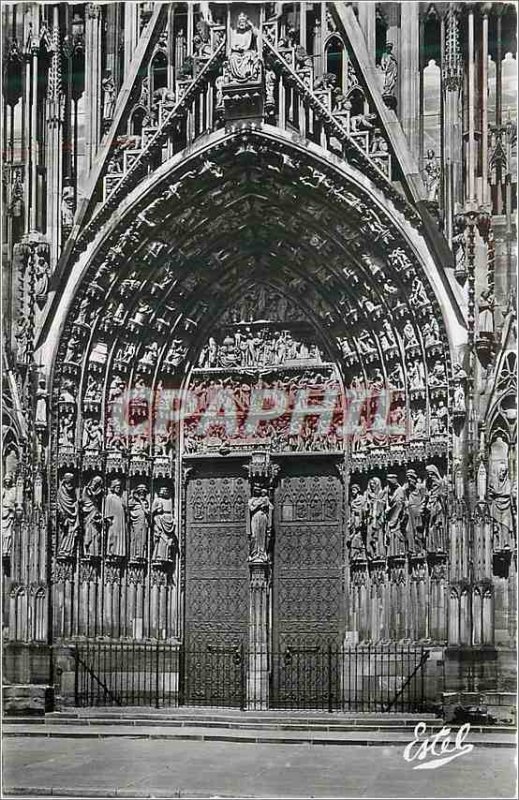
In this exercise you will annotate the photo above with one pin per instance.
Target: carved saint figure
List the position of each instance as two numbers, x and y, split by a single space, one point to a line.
92 435
486 307
41 279
260 510
389 67
115 516
91 500
357 504
432 170
414 497
502 511
395 501
459 404
375 502
243 64
435 509
67 204
139 510
163 526
68 515
40 419
9 508
109 93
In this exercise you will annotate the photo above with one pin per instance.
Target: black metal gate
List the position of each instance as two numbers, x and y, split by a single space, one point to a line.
214 676
126 674
363 678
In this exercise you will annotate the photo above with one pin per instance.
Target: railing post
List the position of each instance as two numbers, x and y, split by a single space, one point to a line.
181 672
330 705
243 679
157 645
76 677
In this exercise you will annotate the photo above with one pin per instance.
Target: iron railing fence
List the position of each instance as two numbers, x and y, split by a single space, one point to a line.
126 673
362 678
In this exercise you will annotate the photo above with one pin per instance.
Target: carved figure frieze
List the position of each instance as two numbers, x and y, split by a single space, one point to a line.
257 348
398 520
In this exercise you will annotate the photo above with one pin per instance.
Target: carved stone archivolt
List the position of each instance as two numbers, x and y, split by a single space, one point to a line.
300 317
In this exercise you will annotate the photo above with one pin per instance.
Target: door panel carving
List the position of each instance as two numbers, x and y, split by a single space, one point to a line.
217 588
307 583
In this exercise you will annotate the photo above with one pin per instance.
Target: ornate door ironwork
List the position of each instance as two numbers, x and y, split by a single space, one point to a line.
307 584
217 587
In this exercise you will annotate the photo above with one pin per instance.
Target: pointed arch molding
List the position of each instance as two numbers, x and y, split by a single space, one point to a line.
298 171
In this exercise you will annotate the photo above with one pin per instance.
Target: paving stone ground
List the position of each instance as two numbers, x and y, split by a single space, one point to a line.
161 768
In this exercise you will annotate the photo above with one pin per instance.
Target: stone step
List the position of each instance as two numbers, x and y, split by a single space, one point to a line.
348 738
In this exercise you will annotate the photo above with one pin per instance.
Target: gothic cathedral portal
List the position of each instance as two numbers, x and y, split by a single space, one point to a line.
260 429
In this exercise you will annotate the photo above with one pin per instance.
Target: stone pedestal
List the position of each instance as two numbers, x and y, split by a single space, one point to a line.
258 667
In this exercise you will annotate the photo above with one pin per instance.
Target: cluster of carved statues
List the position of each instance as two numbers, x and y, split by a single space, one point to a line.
274 433
114 523
263 305
398 519
256 348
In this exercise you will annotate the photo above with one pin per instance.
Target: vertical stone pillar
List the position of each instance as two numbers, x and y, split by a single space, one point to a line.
54 143
393 35
262 475
471 143
410 71
367 12
93 81
258 666
33 212
131 32
485 194
452 83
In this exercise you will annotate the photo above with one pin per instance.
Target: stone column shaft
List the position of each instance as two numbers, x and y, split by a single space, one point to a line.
93 100
367 12
409 57
258 675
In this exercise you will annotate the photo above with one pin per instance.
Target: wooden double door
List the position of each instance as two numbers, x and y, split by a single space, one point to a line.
305 603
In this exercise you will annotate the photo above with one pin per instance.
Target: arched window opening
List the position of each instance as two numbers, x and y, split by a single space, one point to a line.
159 72
335 59
431 108
39 616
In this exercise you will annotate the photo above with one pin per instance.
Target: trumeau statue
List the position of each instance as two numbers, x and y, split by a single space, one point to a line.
260 511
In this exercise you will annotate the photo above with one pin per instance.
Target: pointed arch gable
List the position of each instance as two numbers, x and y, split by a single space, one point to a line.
402 221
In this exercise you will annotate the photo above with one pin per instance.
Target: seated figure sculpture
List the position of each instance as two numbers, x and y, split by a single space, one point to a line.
243 64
